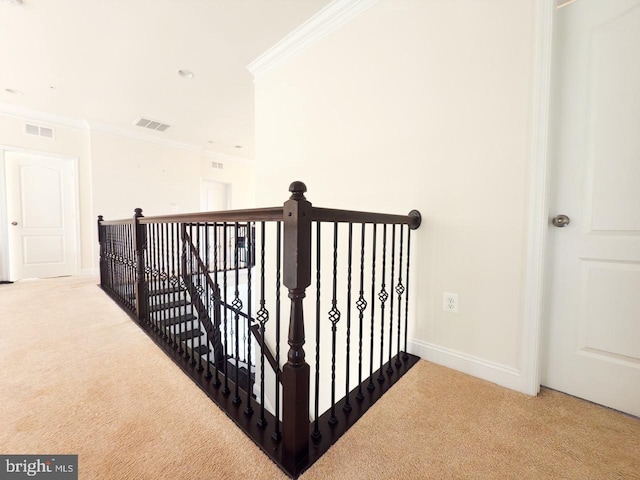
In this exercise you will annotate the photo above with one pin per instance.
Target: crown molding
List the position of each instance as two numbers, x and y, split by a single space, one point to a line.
330 18
42 117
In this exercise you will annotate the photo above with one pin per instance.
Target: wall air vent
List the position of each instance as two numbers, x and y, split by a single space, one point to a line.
151 124
217 165
38 130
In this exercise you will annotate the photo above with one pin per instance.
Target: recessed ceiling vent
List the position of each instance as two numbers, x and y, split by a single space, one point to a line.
38 130
217 165
152 124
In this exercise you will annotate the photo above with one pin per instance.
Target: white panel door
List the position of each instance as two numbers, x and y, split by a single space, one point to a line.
214 196
592 337
41 209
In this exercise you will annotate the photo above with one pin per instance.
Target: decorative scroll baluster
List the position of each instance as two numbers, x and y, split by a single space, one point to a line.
225 360
237 305
248 244
185 272
316 435
334 317
383 296
276 434
347 403
393 264
371 386
405 357
263 316
399 291
361 304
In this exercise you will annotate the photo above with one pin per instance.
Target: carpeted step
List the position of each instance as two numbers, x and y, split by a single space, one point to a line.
189 334
167 305
160 291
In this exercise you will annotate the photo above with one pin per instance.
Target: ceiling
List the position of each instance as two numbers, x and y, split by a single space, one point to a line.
110 62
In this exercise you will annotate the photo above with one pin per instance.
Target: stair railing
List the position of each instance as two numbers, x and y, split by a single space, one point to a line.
206 287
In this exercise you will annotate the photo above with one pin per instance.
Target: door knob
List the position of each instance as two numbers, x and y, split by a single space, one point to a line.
561 221
14 223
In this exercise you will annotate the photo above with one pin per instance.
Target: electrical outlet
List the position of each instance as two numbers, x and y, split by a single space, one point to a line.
450 302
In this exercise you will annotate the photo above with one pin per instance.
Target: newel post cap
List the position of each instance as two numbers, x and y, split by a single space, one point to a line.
297 190
138 213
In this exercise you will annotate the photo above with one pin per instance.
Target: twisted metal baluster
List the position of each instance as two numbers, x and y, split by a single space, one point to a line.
361 304
200 290
210 296
383 296
347 403
316 435
400 291
393 265
174 281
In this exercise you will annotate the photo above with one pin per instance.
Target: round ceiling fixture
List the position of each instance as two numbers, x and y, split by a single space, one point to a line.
184 73
237 146
13 91
210 141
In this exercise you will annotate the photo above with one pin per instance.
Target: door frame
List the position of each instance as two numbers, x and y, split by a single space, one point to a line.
5 274
539 187
227 185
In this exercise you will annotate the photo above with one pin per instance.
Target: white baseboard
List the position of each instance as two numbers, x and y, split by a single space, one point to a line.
485 369
93 272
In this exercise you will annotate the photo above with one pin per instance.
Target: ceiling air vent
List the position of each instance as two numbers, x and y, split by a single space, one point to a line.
151 124
217 165
38 130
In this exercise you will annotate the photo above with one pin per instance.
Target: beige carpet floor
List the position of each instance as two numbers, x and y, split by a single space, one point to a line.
77 376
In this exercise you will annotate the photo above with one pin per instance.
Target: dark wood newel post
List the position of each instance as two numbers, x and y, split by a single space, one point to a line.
297 277
140 240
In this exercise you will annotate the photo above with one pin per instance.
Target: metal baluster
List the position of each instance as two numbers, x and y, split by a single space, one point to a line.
316 435
174 281
383 296
163 277
393 264
217 344
276 434
347 403
200 291
156 275
334 317
237 305
361 304
209 295
263 316
400 291
371 386
248 243
405 357
225 389
184 270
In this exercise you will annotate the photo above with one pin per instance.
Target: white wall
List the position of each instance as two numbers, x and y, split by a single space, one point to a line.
421 104
118 173
69 141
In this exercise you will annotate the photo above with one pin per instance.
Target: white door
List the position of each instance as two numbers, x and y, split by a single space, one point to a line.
214 196
41 210
592 337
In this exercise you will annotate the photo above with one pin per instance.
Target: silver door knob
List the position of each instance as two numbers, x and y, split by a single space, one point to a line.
561 221
14 223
